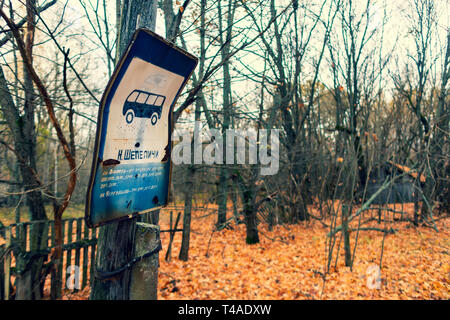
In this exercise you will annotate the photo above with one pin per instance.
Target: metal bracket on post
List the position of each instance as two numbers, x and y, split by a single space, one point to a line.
144 274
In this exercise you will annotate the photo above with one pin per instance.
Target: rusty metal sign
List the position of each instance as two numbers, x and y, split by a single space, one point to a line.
131 166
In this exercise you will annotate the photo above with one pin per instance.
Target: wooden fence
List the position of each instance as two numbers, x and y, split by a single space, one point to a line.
21 243
24 242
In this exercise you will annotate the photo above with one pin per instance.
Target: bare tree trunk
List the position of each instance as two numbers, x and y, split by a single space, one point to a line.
37 233
249 198
199 104
439 143
24 134
346 235
227 102
189 185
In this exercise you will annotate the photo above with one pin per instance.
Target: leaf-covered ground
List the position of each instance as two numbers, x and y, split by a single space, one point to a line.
289 263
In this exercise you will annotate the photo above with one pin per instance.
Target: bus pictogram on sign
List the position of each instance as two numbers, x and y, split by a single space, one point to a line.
142 104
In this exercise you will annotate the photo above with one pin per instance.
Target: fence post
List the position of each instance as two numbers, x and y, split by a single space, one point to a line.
57 280
24 283
85 254
94 235
43 246
78 248
7 262
2 278
69 250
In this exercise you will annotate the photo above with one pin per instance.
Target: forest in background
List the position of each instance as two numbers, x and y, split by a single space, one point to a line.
358 90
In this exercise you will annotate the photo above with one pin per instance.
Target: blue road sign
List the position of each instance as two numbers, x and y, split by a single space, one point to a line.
131 165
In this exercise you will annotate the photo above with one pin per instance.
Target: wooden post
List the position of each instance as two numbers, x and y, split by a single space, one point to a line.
68 252
38 287
57 280
116 242
23 280
78 249
85 255
144 274
94 233
7 263
2 271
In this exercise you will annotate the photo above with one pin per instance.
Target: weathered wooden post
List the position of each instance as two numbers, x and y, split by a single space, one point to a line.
7 264
144 274
116 243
